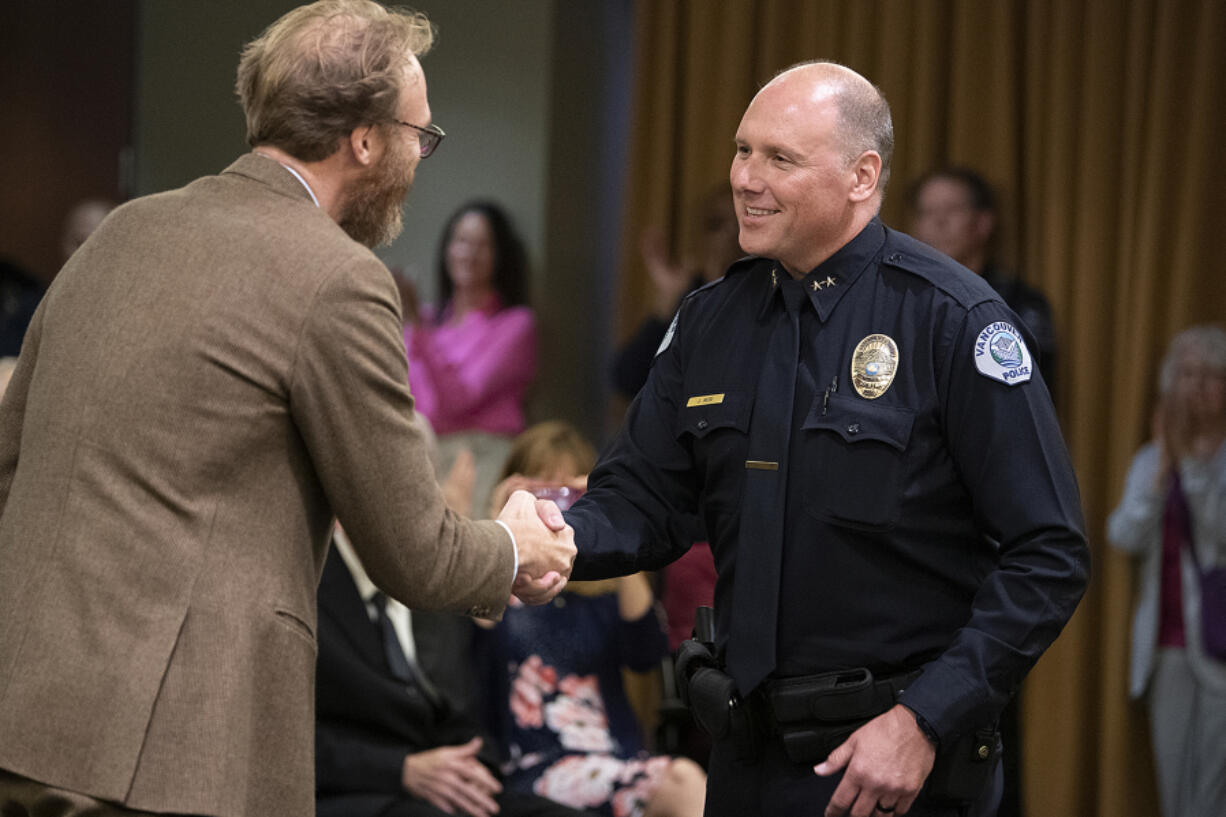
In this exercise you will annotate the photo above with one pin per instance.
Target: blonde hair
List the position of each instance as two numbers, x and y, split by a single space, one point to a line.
323 70
546 446
540 451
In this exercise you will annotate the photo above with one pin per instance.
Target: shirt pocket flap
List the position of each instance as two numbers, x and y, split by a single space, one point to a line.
703 413
860 420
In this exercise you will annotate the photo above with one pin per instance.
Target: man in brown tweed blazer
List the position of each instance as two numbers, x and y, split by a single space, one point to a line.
215 376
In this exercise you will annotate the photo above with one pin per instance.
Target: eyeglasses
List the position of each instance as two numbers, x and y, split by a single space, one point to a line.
427 137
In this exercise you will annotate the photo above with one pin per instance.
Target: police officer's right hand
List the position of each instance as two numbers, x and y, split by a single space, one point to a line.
545 543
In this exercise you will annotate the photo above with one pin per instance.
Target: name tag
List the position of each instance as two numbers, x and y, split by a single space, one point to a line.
704 400
761 465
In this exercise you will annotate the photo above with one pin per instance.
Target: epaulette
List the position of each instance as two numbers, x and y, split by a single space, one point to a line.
905 253
738 267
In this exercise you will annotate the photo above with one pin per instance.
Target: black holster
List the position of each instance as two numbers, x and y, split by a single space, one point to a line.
712 698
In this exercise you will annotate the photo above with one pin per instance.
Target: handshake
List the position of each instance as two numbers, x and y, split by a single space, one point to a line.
546 546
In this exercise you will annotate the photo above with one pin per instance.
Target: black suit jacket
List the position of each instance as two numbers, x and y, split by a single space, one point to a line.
366 720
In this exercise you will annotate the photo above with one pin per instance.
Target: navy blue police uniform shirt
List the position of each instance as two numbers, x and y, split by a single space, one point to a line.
934 523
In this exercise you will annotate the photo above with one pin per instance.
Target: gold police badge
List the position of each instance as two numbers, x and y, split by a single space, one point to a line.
873 365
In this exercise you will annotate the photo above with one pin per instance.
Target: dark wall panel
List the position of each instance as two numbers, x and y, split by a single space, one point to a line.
66 77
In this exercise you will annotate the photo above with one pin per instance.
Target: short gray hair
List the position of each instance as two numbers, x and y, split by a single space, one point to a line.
1206 341
865 122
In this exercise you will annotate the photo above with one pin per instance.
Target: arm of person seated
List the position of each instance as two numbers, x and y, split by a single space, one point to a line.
348 762
642 641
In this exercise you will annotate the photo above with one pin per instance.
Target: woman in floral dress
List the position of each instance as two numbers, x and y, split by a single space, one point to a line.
557 700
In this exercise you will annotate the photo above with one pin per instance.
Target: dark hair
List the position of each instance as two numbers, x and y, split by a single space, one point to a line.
983 197
323 70
510 275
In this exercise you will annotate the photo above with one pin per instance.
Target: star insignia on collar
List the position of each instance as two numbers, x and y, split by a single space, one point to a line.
818 286
774 280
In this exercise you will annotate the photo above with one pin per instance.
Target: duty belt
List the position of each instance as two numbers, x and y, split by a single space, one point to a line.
813 714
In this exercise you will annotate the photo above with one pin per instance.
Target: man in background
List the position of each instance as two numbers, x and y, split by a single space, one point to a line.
954 210
217 375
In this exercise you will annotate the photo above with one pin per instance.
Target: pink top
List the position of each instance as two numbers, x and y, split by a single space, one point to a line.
472 375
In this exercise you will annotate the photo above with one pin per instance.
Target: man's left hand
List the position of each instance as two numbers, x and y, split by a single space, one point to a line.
887 761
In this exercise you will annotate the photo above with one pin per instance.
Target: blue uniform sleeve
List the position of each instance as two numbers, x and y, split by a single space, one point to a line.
1006 443
638 512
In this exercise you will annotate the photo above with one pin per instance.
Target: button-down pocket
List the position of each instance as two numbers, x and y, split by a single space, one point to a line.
716 434
706 413
854 458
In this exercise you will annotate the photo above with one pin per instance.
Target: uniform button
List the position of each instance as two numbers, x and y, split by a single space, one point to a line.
984 751
702 424
854 428
895 258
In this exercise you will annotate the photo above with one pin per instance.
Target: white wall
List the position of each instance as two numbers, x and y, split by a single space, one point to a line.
488 78
532 94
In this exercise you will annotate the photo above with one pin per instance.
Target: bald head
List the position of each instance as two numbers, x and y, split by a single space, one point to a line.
864 121
810 163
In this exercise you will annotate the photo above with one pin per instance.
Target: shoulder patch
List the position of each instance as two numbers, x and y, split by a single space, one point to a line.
668 336
1001 354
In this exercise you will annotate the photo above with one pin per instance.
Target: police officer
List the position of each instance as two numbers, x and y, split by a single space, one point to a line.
862 427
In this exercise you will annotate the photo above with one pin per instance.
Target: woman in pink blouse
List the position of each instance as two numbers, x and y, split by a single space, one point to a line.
473 356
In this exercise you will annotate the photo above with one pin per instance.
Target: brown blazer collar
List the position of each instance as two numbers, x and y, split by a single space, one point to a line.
270 172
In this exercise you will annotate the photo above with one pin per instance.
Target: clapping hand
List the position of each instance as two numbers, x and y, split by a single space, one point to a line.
670 279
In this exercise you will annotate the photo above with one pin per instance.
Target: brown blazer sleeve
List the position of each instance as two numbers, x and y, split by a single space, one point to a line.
350 400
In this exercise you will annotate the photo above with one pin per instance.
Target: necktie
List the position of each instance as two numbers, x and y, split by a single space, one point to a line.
759 552
397 662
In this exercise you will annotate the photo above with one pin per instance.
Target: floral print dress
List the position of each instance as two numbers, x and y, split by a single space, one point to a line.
560 709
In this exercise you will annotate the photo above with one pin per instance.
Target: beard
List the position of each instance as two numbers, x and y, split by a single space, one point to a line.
371 213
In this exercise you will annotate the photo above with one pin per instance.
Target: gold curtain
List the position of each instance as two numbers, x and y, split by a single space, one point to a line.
1098 123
